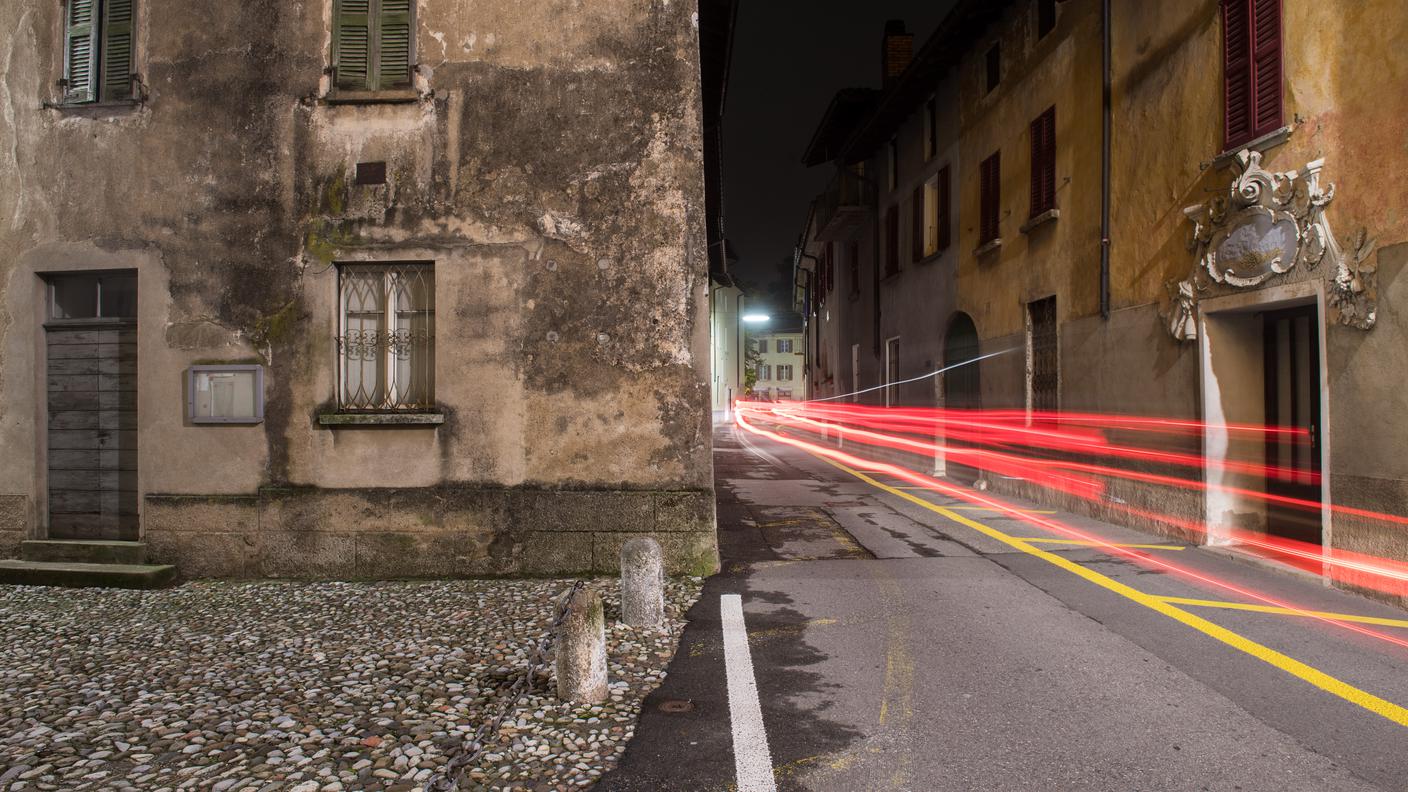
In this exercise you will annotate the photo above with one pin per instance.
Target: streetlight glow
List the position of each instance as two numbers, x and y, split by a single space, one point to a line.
756 318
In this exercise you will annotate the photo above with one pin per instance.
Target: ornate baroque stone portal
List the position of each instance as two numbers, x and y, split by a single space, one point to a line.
1269 224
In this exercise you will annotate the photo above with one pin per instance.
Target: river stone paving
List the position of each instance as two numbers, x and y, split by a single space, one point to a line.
307 687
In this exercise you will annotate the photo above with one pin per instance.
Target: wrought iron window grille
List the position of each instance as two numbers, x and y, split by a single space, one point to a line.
386 338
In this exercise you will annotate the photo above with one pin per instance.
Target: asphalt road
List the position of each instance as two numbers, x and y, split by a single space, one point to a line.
904 646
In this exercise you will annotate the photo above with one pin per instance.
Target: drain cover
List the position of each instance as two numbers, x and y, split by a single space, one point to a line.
676 705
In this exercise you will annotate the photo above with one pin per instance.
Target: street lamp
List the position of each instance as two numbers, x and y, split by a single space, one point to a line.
756 318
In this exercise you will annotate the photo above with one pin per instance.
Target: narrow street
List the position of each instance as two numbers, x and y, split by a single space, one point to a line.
902 640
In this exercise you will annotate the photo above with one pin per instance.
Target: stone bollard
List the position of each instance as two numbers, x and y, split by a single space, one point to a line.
581 650
642 583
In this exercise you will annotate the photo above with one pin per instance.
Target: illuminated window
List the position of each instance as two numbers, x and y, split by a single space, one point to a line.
387 341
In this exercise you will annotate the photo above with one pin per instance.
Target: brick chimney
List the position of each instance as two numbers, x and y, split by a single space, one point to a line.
896 51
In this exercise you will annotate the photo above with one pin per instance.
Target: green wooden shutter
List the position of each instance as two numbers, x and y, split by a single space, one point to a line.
394 45
80 52
117 49
352 45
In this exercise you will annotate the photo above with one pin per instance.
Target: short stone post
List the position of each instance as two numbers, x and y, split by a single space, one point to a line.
642 583
581 650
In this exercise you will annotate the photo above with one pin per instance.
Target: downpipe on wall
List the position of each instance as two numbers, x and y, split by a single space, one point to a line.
1106 111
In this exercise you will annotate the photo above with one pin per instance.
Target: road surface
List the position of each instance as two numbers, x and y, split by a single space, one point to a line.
903 640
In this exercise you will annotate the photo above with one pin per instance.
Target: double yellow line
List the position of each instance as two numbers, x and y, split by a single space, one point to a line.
1163 605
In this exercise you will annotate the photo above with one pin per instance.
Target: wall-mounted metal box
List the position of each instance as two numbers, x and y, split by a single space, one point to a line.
232 394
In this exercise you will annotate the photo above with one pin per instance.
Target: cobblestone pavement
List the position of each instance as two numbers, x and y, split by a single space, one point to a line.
238 687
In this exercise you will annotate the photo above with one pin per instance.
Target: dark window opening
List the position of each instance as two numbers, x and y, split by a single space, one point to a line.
916 231
892 240
994 66
93 296
944 209
1045 17
853 265
371 173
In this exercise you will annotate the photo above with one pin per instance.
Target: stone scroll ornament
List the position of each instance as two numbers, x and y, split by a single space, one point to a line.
1268 224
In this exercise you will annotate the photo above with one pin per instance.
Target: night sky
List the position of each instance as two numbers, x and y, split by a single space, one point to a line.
789 57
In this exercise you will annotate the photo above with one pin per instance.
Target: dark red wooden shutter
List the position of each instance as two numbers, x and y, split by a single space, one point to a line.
990 199
1265 58
1043 191
942 219
1237 72
1038 189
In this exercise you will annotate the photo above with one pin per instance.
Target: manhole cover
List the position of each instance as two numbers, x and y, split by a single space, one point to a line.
676 705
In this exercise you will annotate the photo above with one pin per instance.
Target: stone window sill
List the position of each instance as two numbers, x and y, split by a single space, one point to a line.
988 247
1262 144
95 108
410 419
372 97
1036 220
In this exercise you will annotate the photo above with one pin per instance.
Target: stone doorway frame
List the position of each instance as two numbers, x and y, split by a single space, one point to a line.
1230 353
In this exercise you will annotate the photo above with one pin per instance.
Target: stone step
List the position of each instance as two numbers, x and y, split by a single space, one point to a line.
78 575
84 551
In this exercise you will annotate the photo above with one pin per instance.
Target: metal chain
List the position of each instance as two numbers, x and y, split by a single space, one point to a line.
448 778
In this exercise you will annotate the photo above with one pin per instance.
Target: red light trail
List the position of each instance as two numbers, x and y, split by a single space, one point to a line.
980 435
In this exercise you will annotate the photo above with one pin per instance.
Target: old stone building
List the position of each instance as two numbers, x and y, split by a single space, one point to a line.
1213 240
356 288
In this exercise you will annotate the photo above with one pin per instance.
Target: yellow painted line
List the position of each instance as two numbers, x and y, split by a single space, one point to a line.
1246 606
990 509
1314 676
1082 542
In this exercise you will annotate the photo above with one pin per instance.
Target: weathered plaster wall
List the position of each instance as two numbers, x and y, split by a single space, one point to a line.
1059 257
1338 59
549 169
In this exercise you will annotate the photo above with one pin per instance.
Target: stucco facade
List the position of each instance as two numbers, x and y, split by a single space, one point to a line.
1175 337
544 162
780 365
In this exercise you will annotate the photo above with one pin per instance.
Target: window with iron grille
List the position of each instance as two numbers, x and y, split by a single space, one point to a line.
372 45
98 51
990 198
386 342
1251 69
1044 162
1044 385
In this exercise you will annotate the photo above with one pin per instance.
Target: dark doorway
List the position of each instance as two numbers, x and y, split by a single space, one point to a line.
1292 367
91 346
962 390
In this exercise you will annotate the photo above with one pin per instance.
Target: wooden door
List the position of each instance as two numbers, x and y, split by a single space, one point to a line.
1292 365
92 383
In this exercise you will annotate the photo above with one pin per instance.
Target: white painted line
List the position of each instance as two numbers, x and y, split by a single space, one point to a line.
751 759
